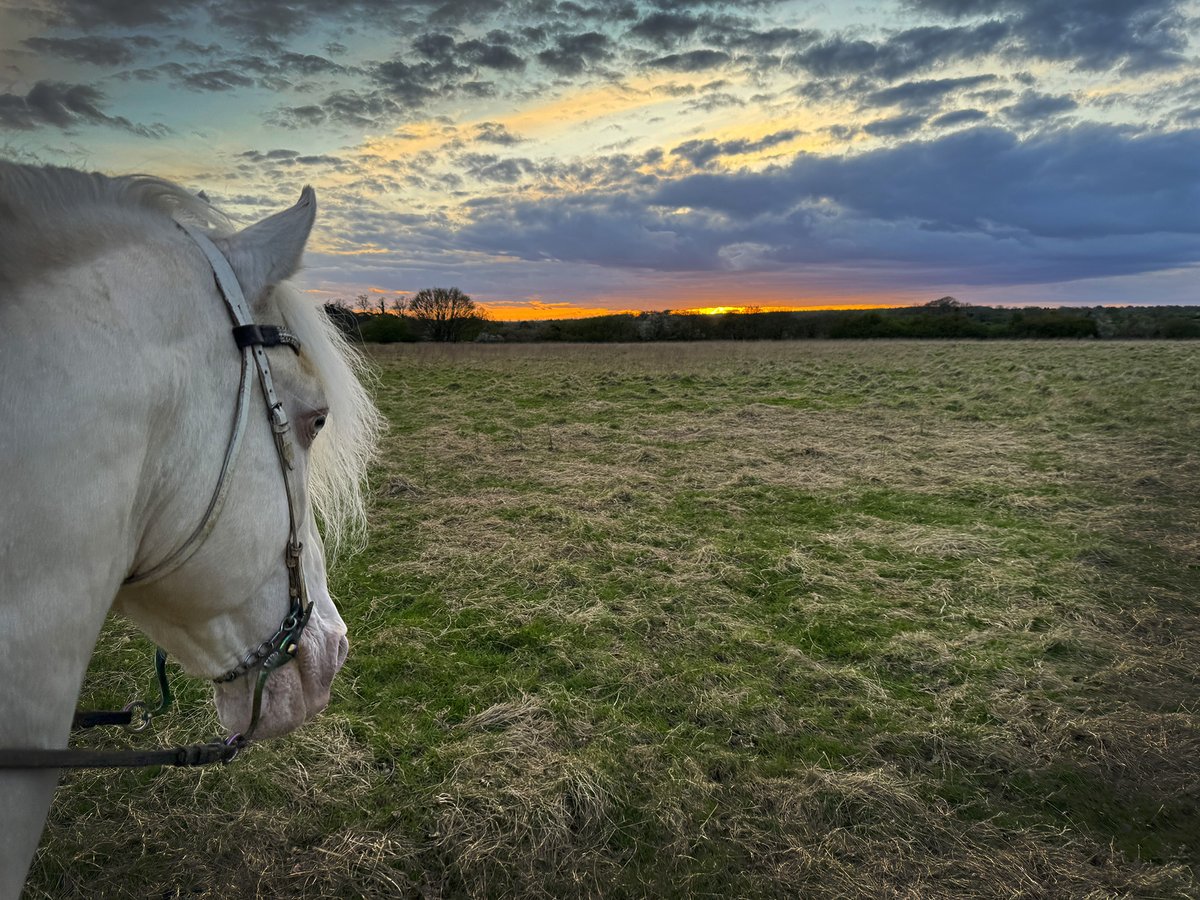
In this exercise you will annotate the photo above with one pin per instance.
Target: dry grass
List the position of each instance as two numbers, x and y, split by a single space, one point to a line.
821 620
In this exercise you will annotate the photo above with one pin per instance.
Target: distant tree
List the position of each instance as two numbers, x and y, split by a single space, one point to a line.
948 304
399 304
387 330
447 314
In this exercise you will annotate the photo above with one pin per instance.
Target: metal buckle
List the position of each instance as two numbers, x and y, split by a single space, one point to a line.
142 714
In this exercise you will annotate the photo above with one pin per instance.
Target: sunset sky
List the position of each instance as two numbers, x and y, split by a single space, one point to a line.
553 158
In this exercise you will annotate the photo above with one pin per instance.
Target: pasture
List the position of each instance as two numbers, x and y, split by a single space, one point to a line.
722 620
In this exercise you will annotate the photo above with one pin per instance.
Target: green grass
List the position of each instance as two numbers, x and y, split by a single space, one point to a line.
819 620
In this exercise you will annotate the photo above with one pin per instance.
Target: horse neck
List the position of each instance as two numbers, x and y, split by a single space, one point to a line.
82 363
94 359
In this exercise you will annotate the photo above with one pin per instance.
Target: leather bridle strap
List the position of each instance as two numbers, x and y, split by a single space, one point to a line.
253 339
190 755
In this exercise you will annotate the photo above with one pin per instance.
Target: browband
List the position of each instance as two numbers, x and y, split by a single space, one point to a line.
264 335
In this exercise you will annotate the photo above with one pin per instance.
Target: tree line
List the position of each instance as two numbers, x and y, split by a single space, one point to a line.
434 314
446 314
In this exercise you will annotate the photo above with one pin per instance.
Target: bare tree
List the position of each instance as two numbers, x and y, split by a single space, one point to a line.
446 313
399 304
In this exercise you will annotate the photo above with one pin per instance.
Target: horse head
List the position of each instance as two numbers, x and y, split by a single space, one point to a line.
216 601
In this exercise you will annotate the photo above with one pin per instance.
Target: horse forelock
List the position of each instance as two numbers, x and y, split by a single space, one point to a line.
346 446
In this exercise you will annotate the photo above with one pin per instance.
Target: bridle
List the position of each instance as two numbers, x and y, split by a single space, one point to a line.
277 650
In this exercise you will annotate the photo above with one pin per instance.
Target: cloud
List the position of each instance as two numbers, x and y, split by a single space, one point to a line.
65 106
979 205
414 84
900 54
896 126
1130 35
959 117
701 152
495 133
487 167
216 80
349 107
288 158
491 56
119 13
96 50
1033 107
665 28
921 94
1078 182
692 61
493 53
573 53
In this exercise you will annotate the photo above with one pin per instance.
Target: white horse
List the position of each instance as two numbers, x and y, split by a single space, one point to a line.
118 386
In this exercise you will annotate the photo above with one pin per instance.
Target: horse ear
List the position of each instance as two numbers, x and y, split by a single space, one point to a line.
268 252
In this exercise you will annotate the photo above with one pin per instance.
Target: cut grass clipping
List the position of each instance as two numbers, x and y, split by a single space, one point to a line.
723 620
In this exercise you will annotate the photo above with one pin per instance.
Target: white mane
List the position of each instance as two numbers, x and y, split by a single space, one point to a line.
52 217
346 446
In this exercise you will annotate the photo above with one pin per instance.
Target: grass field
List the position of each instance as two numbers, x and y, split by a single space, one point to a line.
724 620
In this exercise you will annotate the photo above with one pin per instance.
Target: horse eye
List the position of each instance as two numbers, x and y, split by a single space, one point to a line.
318 423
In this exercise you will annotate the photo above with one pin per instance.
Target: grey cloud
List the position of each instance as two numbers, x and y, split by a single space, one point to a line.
979 205
495 133
121 13
216 80
99 51
701 152
283 157
491 56
574 52
434 45
487 167
298 117
896 126
1032 107
308 64
665 28
920 94
692 61
348 107
414 84
714 100
479 88
458 11
1133 35
759 42
959 117
1070 183
902 53
65 106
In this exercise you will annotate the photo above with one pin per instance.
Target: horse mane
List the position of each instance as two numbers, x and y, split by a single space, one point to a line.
52 216
338 468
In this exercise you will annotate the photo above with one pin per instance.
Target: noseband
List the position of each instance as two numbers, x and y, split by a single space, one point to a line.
277 650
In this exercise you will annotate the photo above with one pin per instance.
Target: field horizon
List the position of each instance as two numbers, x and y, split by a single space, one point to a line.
722 619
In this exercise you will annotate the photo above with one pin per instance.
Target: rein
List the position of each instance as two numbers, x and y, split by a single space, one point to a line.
277 650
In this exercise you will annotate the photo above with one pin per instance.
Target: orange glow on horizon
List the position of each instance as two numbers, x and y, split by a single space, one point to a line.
541 312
